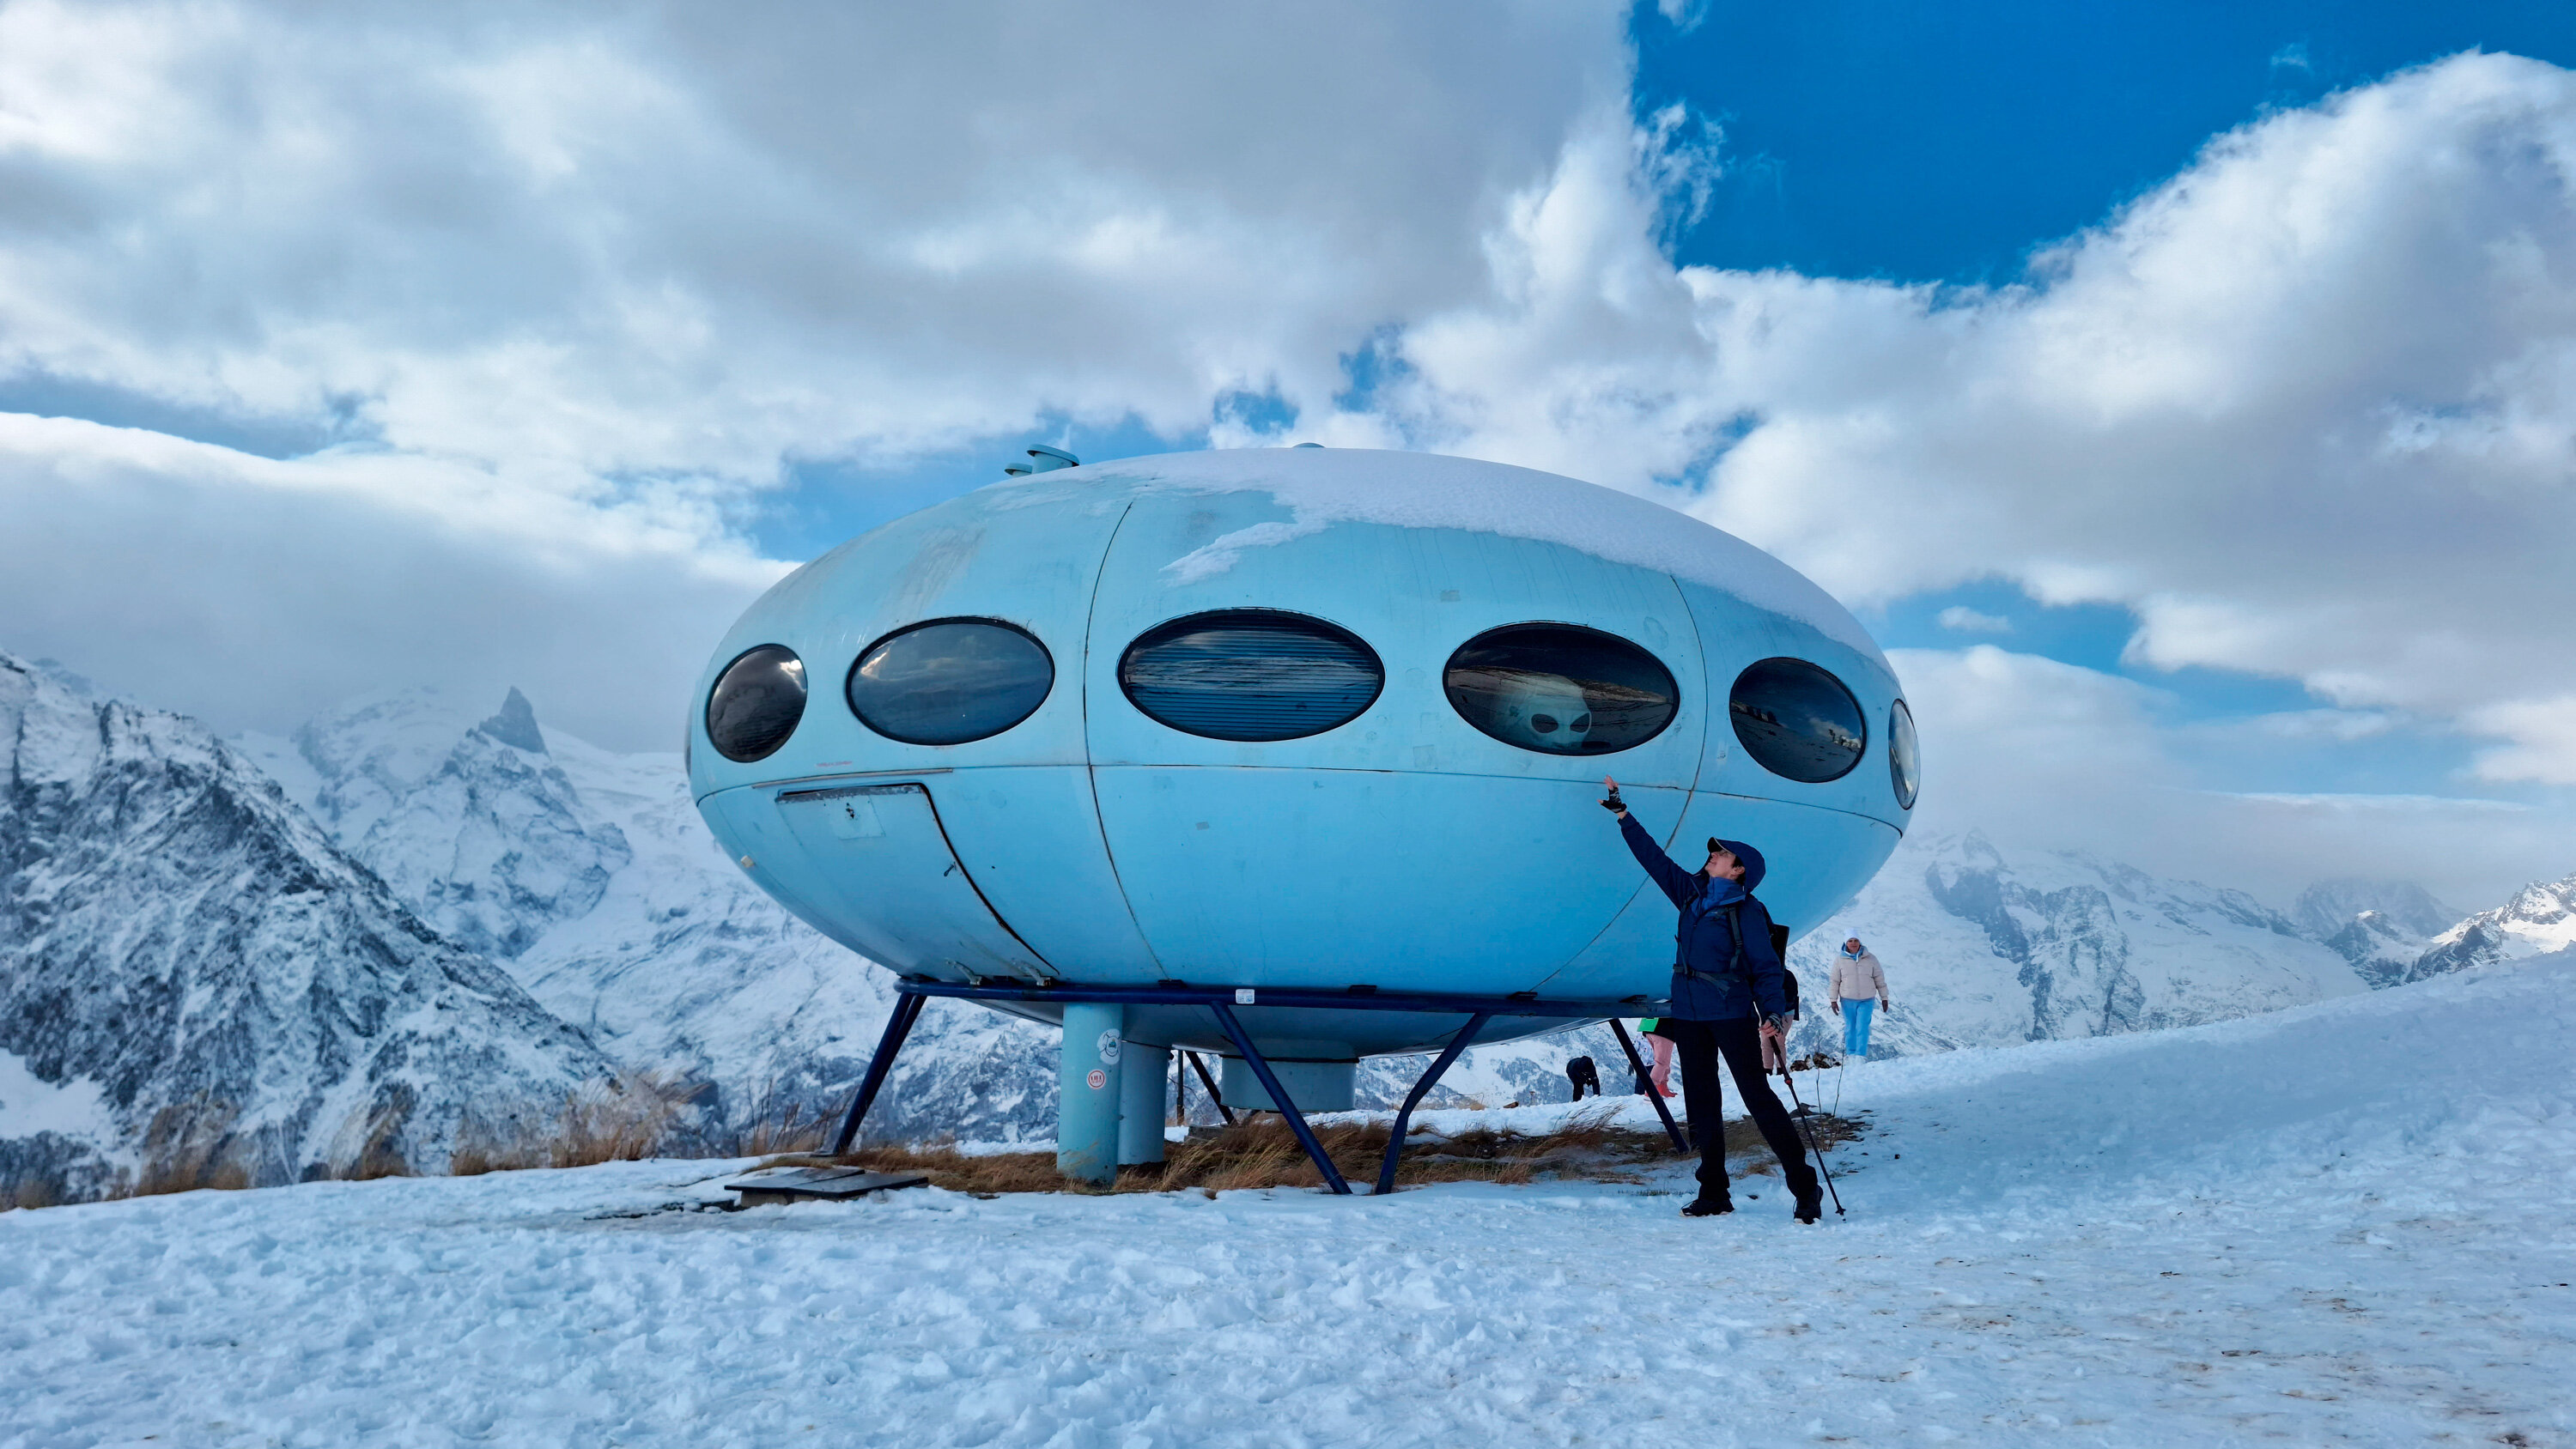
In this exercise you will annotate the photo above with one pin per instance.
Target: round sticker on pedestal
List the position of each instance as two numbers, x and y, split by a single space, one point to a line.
1109 1048
1098 1079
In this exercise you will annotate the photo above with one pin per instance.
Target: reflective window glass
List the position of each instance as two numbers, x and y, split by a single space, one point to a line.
1797 720
756 703
1251 674
1904 765
1561 689
950 681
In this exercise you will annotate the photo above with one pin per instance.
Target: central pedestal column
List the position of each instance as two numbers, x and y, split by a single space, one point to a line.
1147 1087
1086 1118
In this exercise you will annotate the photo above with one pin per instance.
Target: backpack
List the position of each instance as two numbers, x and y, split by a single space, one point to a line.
1779 948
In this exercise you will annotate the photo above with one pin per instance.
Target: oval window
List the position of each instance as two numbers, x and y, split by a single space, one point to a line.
1797 720
1251 674
1904 761
756 703
1561 689
950 681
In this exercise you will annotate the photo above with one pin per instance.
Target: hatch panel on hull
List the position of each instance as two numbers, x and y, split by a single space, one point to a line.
885 841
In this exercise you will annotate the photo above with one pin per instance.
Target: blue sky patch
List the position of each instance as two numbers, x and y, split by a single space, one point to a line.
1944 142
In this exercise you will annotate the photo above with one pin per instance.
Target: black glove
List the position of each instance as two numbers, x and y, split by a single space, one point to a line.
1614 804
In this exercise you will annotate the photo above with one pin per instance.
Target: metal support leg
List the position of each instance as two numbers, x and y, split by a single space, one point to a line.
1090 1082
1638 1064
1199 1064
1412 1099
1141 1071
907 1010
1279 1097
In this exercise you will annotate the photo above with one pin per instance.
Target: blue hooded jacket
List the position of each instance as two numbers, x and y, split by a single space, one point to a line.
1705 943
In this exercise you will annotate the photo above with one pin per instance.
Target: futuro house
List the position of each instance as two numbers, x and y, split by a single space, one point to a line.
1296 717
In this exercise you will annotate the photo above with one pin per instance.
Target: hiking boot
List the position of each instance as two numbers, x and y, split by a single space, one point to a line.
1705 1206
1811 1205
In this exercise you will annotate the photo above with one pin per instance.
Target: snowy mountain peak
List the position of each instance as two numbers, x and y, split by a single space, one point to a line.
76 684
1981 946
515 725
192 971
2327 907
473 822
2540 918
591 877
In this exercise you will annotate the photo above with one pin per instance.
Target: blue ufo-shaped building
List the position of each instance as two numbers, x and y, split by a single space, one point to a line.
1300 718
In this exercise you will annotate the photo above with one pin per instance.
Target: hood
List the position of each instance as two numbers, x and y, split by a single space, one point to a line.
1753 866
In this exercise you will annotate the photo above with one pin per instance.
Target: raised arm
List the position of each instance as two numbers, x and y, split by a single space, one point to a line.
1678 884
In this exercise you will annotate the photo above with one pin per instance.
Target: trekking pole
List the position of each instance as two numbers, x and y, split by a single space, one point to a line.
1810 1134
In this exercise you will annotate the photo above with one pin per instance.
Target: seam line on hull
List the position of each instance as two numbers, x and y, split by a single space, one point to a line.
1090 769
1699 765
1094 769
1694 794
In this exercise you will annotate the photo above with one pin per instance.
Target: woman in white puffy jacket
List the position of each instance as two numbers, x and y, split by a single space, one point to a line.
1858 988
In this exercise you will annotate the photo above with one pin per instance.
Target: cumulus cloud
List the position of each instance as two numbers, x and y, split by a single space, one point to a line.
261 592
2309 408
2543 732
2043 753
569 290
558 274
1961 618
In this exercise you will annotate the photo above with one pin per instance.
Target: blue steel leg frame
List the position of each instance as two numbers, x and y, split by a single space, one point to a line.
1200 1066
1680 1144
1413 1099
907 1010
1279 1097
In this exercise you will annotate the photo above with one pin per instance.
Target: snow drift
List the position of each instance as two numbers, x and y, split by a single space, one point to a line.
2339 1223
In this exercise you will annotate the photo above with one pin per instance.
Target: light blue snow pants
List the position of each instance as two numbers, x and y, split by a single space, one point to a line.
1856 1016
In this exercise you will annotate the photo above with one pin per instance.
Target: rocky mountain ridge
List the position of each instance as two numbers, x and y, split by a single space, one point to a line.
589 876
195 979
1983 947
2540 919
602 917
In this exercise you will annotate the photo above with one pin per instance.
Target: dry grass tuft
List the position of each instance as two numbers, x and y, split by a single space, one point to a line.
1264 1153
34 1193
619 1120
377 1156
184 1149
769 1138
622 1120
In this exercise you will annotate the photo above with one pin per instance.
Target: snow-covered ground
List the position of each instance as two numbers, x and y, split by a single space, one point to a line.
2344 1223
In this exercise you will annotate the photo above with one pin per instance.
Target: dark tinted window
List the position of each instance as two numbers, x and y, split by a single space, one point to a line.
1560 689
1250 674
756 703
1904 764
1797 720
950 681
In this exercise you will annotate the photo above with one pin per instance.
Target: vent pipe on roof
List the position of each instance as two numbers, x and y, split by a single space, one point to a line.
1042 459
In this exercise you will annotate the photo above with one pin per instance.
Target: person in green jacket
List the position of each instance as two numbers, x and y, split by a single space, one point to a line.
1662 1046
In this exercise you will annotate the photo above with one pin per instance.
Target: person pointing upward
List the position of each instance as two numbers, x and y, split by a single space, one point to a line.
1725 971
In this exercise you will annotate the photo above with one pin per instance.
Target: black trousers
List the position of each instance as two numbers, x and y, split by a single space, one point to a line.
1698 1044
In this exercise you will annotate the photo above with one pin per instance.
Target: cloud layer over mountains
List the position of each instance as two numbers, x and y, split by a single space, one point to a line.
344 349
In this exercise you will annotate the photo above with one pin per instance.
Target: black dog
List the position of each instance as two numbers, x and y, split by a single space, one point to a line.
1582 1073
